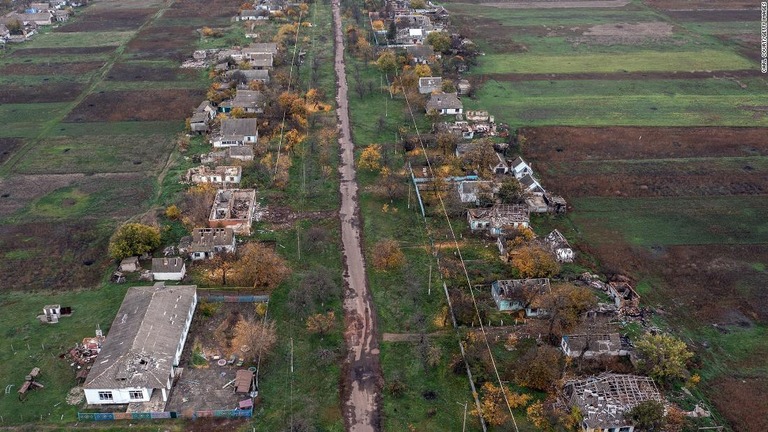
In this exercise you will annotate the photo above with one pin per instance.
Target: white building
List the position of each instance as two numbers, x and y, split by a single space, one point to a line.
138 360
168 269
207 242
237 132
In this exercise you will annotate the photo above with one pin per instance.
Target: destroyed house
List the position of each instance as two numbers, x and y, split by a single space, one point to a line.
260 48
428 85
470 191
623 295
593 345
558 245
139 357
498 218
514 295
218 175
248 75
207 242
233 208
604 399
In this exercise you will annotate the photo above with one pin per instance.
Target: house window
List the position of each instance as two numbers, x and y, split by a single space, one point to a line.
105 396
625 429
136 394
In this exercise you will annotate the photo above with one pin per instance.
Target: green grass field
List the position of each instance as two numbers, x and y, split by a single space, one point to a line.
622 103
675 221
81 39
96 153
24 120
639 61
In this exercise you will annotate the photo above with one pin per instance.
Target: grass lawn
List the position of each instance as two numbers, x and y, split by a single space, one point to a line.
639 61
675 221
28 344
549 17
79 39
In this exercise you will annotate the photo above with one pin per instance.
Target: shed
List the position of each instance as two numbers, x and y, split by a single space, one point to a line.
130 264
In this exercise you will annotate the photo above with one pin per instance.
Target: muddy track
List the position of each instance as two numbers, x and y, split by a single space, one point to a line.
361 375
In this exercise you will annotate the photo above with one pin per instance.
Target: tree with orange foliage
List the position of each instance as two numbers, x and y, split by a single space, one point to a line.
321 323
534 262
493 405
370 158
387 255
259 267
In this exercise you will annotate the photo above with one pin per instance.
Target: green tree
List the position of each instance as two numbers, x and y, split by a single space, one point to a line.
647 416
133 239
663 356
392 31
440 41
387 62
510 191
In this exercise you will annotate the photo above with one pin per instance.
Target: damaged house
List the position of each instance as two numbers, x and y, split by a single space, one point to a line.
604 399
219 175
205 243
498 218
559 246
594 345
140 356
623 296
233 208
515 295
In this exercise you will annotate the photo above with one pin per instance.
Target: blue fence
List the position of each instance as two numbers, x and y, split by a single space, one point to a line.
163 415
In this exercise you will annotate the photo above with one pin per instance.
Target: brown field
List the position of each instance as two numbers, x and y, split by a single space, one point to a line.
695 5
137 72
563 144
34 52
579 161
172 42
7 147
202 9
546 4
14 94
108 20
75 253
136 106
746 73
747 396
50 68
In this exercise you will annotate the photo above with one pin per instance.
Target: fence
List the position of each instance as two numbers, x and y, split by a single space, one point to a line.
163 415
235 298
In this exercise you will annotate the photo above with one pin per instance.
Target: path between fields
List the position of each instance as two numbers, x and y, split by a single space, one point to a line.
361 381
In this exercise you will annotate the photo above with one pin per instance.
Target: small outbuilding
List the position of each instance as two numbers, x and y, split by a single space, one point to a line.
168 269
130 265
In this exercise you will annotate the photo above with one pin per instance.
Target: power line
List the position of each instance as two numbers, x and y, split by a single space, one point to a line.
290 79
463 265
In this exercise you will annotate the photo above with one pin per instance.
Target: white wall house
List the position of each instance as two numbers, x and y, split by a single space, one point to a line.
143 346
168 269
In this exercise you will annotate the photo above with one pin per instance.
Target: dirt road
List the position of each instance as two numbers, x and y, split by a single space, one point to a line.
361 390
